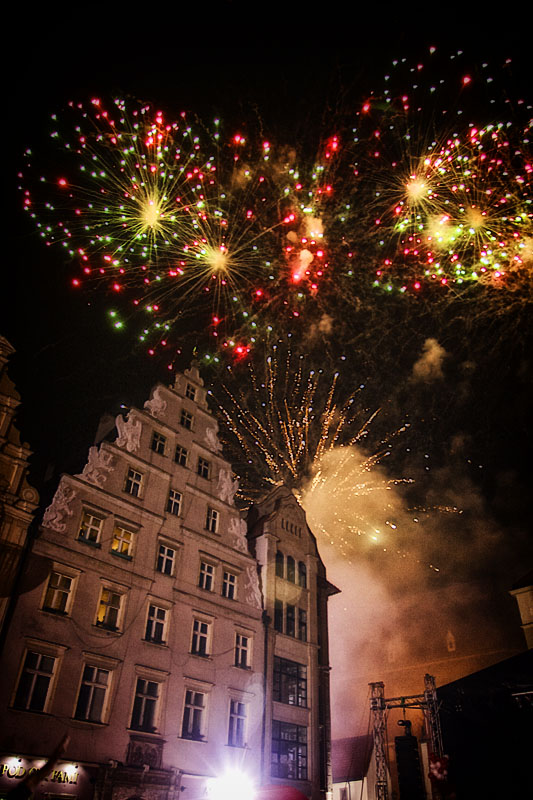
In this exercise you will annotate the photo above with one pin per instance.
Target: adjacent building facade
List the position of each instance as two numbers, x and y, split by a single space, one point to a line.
171 638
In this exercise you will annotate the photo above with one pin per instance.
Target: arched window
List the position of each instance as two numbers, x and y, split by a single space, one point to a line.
279 564
302 574
291 569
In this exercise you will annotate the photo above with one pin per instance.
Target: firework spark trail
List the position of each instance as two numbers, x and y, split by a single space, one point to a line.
440 197
293 428
180 222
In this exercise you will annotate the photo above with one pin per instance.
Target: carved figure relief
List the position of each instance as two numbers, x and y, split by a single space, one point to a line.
129 433
252 592
99 465
227 486
59 508
211 438
156 406
237 534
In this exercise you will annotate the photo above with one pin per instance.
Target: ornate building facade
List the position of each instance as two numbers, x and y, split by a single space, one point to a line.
170 638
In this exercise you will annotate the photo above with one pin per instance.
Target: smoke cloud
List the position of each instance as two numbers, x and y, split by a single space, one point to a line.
429 365
414 596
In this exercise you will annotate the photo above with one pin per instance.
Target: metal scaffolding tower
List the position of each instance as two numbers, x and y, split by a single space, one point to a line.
379 704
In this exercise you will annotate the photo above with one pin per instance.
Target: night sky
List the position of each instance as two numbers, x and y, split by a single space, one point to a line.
469 442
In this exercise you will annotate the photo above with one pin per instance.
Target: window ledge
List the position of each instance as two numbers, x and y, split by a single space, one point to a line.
88 723
162 644
108 629
55 612
200 739
88 541
124 556
145 731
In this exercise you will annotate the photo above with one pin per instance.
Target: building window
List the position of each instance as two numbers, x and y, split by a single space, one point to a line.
92 694
180 456
190 392
201 632
289 751
290 682
280 572
278 616
211 520
90 528
133 482
302 625
122 543
174 503
57 593
290 620
165 559
108 615
242 651
302 575
206 577
35 682
143 717
156 624
237 723
158 443
291 569
193 715
186 419
204 468
229 585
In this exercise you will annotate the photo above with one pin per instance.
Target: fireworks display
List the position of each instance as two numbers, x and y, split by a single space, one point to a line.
227 237
448 197
186 223
222 241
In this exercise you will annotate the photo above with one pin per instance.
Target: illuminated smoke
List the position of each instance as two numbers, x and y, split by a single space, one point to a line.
429 365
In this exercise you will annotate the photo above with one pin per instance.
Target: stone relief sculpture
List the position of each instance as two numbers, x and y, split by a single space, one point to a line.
211 438
227 486
59 508
98 466
129 433
156 406
237 534
252 592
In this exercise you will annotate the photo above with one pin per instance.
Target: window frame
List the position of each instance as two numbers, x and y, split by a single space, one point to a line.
163 558
229 587
186 419
45 650
203 468
190 392
182 458
152 622
158 443
81 537
105 624
290 681
237 732
138 710
194 725
243 650
281 745
206 576
173 502
131 482
69 594
34 686
119 527
200 635
212 519
89 702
